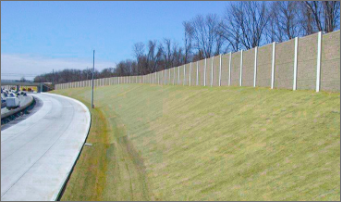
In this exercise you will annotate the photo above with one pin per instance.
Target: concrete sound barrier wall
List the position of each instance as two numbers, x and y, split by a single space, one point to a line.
308 63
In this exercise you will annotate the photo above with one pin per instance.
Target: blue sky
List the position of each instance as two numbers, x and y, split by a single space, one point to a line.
37 37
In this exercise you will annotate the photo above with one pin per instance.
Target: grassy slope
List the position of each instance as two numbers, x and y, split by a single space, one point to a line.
201 143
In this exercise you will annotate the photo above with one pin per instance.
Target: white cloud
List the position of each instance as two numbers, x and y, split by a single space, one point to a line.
14 66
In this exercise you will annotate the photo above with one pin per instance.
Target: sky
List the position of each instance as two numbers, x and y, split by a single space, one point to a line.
39 37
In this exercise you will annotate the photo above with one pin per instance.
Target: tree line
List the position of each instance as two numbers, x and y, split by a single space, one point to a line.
244 25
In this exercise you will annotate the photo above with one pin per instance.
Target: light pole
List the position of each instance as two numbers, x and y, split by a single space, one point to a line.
92 82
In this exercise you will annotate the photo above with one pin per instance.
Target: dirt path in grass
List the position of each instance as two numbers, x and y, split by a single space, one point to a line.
110 169
126 174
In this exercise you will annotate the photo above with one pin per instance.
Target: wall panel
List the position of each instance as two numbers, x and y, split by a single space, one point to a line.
264 66
248 67
307 60
235 69
330 63
284 66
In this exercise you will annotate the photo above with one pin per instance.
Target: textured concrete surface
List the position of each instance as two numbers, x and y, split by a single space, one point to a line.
284 67
181 69
201 72
235 69
37 154
225 69
306 69
193 71
264 66
330 64
187 75
248 67
307 60
216 69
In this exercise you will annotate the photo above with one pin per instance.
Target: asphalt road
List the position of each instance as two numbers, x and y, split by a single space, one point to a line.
38 153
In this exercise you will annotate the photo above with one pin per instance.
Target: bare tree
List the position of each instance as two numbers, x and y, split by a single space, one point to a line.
107 72
154 55
167 53
158 56
205 31
139 50
187 40
306 22
178 56
22 79
320 16
314 11
198 56
284 21
150 57
250 20
123 68
219 41
171 53
230 31
331 15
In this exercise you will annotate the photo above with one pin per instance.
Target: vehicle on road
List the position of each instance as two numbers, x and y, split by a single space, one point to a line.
3 102
12 102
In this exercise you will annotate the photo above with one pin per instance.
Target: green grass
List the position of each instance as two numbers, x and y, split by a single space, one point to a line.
202 143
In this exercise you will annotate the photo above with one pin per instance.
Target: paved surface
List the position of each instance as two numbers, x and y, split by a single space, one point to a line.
37 154
38 104
23 101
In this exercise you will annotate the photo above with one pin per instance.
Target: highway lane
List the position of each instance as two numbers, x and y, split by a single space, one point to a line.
37 154
23 101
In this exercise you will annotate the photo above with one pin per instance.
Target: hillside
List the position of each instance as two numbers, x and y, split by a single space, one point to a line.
153 142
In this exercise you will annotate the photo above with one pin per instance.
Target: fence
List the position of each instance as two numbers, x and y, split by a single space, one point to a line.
311 62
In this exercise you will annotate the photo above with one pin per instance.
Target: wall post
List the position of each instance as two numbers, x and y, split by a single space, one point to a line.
220 69
184 75
197 73
178 75
273 65
174 76
241 68
294 86
164 76
255 67
318 66
205 73
229 82
190 74
212 70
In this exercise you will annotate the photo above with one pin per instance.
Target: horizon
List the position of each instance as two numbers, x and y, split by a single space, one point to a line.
32 45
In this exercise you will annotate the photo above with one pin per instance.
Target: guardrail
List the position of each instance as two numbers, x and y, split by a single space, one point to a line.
17 110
